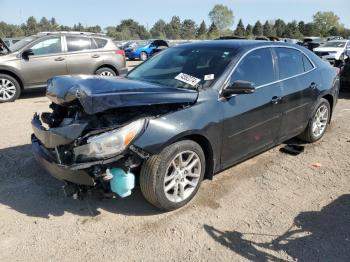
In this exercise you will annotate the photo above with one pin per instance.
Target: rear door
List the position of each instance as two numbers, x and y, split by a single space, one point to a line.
48 60
299 84
82 55
252 121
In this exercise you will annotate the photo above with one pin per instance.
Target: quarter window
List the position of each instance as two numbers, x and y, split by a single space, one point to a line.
47 46
307 64
100 42
256 67
290 62
78 43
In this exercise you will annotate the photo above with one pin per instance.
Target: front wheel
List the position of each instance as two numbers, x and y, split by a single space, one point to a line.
172 178
9 88
318 123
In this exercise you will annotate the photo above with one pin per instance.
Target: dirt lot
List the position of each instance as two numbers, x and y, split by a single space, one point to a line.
272 207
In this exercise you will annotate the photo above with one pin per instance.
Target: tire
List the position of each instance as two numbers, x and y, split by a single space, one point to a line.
143 56
9 88
311 136
105 71
155 178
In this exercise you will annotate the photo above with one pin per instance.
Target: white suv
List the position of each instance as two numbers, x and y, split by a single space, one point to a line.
333 51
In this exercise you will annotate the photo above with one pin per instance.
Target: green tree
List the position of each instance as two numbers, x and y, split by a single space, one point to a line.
31 26
44 24
311 30
258 29
202 31
173 28
213 31
189 29
130 29
325 21
279 27
249 30
292 30
222 17
240 30
267 29
158 29
301 27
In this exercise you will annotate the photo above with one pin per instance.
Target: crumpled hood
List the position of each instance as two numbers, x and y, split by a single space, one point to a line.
97 94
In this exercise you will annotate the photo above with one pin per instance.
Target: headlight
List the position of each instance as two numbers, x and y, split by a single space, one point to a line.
110 143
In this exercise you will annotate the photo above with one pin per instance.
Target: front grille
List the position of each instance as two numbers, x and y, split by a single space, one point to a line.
321 53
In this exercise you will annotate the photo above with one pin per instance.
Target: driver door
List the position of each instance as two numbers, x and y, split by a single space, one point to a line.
252 121
48 60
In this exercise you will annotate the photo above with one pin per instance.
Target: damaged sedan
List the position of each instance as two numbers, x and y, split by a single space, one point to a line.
182 116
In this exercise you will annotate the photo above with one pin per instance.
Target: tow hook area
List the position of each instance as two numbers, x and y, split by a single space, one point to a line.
74 191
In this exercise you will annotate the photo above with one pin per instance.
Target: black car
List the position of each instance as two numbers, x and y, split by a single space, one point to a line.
345 73
183 115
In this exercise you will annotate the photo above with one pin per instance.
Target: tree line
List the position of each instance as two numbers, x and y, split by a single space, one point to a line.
221 17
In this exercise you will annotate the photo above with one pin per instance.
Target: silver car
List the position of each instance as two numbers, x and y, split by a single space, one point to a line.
32 61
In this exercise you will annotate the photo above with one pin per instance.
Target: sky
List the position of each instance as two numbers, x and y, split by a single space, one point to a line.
147 12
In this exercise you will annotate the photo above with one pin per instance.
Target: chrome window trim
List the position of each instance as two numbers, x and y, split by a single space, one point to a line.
274 82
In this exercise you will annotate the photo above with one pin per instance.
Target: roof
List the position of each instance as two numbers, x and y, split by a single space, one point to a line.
236 44
70 33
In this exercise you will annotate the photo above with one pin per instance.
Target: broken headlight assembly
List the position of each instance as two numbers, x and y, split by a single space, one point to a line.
110 143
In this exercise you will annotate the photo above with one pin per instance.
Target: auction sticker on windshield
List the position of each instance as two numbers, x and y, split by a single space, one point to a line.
191 80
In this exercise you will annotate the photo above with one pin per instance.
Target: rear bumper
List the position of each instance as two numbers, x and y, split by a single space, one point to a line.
58 171
123 71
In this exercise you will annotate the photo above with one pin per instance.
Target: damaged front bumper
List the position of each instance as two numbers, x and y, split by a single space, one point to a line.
46 144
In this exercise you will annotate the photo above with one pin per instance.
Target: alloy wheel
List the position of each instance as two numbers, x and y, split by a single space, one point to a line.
182 176
320 121
106 73
7 89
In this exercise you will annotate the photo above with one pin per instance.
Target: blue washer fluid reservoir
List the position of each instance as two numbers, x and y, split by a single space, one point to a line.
122 183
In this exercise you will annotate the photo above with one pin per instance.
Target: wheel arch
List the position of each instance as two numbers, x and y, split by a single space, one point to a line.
330 100
14 75
206 146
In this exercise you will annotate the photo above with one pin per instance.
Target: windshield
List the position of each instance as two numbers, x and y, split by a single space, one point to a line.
334 44
185 67
20 44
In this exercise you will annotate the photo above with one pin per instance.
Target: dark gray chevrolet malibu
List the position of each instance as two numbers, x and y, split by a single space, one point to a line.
183 115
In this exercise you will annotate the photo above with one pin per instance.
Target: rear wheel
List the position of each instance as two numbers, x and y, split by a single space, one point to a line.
318 124
105 71
9 88
143 56
172 178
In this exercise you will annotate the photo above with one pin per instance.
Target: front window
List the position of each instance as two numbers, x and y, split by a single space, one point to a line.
334 44
256 67
47 46
22 43
185 67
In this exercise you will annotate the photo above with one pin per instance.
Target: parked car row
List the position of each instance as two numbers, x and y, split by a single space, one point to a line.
144 50
29 63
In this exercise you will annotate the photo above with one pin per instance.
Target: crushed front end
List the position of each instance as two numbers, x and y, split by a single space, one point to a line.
81 149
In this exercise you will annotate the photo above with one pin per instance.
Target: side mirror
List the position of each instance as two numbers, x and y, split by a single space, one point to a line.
239 87
27 53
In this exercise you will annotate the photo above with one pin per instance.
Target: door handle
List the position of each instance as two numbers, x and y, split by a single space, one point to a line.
59 58
313 85
95 56
276 99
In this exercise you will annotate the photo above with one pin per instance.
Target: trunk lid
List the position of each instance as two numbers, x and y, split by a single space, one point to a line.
97 94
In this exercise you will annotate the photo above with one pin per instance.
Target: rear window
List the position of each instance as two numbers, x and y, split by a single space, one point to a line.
290 62
79 43
100 42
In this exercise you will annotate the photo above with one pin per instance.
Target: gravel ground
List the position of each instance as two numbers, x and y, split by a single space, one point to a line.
273 207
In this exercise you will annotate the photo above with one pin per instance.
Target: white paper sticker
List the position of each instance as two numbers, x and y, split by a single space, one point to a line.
209 77
191 80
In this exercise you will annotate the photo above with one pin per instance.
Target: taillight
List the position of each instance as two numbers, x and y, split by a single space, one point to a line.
120 52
